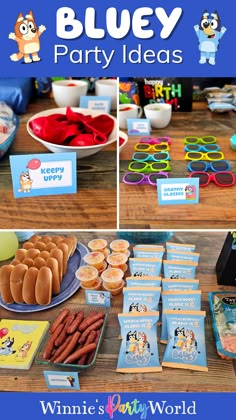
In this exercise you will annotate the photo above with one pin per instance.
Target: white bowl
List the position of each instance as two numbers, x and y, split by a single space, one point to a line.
81 152
65 95
124 137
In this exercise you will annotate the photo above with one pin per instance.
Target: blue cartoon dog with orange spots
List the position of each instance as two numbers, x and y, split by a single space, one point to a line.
209 33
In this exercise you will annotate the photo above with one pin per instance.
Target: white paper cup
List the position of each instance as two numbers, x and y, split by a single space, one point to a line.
159 115
128 111
66 95
107 87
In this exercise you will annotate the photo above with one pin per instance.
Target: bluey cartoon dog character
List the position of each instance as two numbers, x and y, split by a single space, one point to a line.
209 33
131 341
25 182
142 343
7 349
179 338
27 36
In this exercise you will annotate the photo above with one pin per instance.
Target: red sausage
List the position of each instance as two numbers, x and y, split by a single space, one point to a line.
61 348
59 319
79 353
50 344
70 347
75 324
91 356
91 319
90 339
69 320
96 326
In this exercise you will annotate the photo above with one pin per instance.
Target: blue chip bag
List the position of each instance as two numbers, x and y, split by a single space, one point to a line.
141 299
185 300
148 252
180 284
179 269
186 347
182 255
143 281
138 351
180 247
145 267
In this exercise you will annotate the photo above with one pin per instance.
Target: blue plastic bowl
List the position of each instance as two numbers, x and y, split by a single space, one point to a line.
5 146
145 237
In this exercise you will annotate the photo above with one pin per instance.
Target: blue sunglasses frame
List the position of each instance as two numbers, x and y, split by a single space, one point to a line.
150 157
202 148
209 166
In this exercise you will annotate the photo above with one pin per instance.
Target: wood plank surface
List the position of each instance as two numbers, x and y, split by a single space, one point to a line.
221 374
217 206
92 207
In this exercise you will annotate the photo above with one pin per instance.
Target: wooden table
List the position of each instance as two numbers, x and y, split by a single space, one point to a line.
217 206
93 206
221 374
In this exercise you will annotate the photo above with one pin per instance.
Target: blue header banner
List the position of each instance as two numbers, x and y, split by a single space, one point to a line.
118 406
118 38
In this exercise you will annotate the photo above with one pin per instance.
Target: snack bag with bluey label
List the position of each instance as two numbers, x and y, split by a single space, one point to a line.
151 281
138 351
145 267
185 300
180 284
141 299
179 269
180 247
186 347
182 255
148 252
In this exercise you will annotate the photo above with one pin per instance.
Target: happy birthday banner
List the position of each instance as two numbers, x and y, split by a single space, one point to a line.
120 39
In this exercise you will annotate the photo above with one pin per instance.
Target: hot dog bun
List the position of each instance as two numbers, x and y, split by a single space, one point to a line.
28 245
28 290
58 254
52 263
70 245
32 253
50 246
15 262
28 261
44 255
57 239
46 239
35 238
5 290
39 262
40 245
21 254
16 282
43 287
65 249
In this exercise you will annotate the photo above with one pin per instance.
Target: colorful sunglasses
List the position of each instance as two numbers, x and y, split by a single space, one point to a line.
207 156
137 178
155 140
215 166
162 165
145 147
221 179
199 148
200 140
146 157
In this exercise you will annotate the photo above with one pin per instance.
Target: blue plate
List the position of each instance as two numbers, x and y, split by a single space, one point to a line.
69 285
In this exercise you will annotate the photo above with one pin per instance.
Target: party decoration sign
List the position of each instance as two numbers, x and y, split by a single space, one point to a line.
96 103
138 126
44 174
178 191
61 380
98 298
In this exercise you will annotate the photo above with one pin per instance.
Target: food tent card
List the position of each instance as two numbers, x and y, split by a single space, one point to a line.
96 103
44 174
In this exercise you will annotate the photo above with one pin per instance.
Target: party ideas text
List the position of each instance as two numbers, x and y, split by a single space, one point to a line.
117 26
